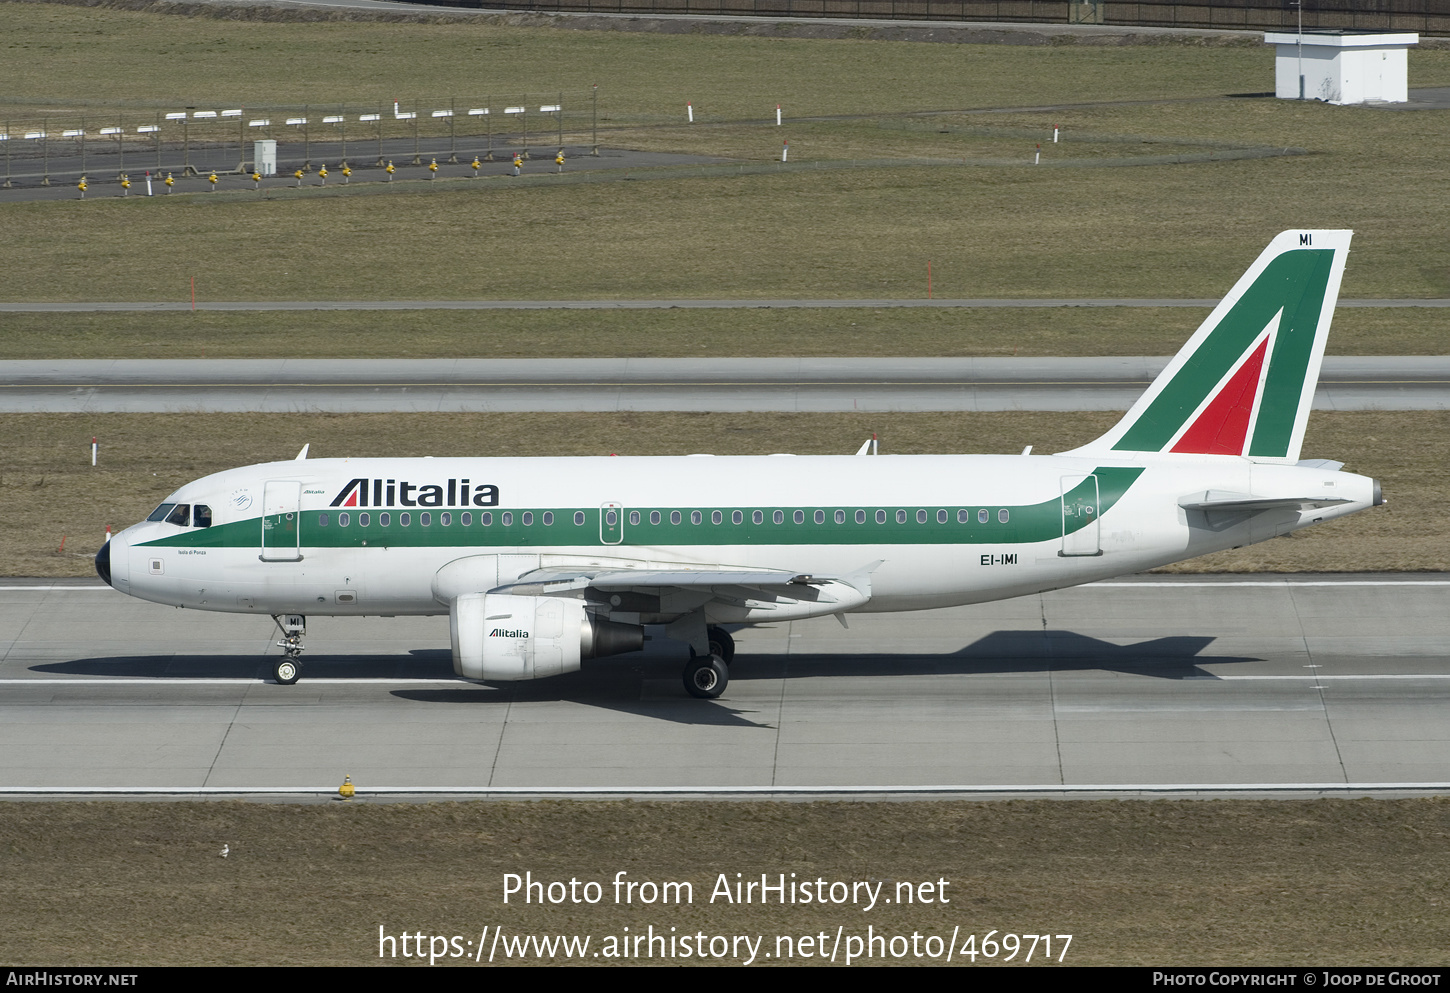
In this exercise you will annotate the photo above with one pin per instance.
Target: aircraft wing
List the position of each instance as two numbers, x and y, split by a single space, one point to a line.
747 593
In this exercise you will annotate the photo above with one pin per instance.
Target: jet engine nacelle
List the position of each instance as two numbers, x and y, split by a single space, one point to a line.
497 636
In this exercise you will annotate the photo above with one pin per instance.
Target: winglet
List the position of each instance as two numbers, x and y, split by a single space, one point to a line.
1244 383
302 455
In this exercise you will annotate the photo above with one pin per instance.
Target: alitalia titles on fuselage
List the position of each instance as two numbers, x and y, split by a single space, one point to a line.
362 492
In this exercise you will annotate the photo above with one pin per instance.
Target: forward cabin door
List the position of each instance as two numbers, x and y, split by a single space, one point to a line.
282 521
1080 529
611 523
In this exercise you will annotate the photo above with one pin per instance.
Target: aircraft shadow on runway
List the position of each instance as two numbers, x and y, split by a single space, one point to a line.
650 685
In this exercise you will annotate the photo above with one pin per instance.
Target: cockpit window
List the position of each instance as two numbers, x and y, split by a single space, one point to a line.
159 514
180 514
201 516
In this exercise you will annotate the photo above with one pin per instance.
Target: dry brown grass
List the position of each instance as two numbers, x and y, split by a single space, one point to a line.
746 332
1325 882
49 489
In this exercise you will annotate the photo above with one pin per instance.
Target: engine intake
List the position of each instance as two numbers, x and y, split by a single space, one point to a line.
498 636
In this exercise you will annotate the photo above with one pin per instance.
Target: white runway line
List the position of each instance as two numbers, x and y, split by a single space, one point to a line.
673 791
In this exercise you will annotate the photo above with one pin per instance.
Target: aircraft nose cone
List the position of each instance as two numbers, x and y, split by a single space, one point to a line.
103 563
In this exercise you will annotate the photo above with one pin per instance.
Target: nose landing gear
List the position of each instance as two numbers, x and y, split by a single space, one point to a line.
289 667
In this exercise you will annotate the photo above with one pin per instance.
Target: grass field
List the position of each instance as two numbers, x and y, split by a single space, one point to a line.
753 332
49 489
65 55
1322 883
1169 230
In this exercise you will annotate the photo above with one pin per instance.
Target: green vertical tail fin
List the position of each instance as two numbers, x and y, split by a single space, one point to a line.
1244 383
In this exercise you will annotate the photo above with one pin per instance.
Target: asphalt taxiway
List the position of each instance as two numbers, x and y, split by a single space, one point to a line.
642 384
1202 684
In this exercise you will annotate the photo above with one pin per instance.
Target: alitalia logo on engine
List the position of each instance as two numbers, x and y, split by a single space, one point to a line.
401 493
505 633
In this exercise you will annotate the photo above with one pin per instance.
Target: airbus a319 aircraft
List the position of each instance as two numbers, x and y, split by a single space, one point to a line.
542 563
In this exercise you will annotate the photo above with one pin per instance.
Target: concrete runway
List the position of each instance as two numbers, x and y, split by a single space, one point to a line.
719 385
1171 684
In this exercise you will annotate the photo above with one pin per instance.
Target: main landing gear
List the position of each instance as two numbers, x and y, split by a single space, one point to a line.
706 676
289 667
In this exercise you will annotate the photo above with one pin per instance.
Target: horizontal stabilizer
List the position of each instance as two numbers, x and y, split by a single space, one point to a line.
1223 500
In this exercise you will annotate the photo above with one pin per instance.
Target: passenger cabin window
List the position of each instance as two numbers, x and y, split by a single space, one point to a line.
1004 516
201 516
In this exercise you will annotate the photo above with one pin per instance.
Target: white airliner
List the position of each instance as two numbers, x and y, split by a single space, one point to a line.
541 563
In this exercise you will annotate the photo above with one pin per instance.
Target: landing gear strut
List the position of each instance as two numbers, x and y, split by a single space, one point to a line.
289 667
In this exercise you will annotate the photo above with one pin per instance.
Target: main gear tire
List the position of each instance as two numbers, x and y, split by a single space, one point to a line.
706 678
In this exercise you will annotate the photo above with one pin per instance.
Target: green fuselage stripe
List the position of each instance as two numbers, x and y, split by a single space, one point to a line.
1043 521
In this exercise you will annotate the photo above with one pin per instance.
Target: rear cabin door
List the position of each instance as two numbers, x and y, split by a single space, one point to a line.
282 521
1080 530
